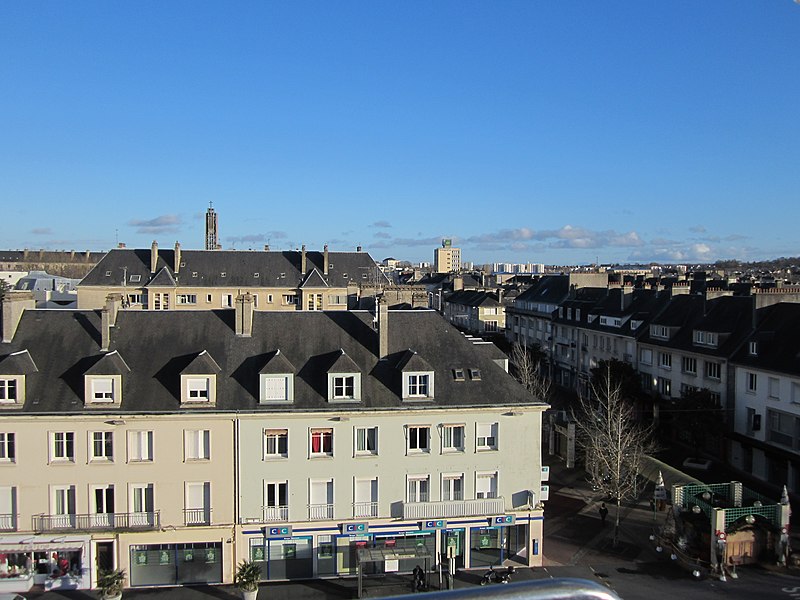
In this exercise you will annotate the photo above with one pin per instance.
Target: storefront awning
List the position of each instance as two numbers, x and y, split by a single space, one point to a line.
36 543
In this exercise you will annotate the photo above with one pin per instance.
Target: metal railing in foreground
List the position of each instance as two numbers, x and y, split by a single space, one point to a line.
544 589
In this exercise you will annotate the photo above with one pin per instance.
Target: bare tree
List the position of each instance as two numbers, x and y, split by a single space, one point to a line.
613 441
527 369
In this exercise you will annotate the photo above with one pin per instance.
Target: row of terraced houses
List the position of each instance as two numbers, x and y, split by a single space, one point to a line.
743 349
174 443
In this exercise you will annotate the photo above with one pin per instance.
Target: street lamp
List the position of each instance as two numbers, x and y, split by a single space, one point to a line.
696 509
750 519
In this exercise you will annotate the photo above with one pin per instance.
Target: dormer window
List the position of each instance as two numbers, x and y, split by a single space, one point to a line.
659 331
706 338
753 348
198 389
103 381
458 375
276 388
418 385
8 390
102 389
344 379
475 374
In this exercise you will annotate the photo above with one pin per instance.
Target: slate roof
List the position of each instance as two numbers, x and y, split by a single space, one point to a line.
109 364
550 289
231 268
160 345
472 298
17 363
777 336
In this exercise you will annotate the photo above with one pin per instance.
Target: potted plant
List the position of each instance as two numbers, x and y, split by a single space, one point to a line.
247 576
110 583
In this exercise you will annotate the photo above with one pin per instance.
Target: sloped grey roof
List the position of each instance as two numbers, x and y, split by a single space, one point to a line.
163 279
412 361
777 338
17 363
158 346
242 268
472 298
109 364
276 364
314 279
343 364
202 364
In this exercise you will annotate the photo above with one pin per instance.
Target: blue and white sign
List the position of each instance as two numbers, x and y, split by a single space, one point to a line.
355 527
433 524
502 521
278 531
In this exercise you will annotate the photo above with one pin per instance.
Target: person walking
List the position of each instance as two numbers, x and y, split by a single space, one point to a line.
603 513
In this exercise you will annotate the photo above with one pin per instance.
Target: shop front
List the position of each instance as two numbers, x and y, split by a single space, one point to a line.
175 564
283 557
54 562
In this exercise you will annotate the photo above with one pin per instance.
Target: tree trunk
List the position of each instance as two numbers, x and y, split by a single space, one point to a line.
616 523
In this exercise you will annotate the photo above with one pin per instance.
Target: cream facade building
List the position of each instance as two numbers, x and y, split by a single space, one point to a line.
174 444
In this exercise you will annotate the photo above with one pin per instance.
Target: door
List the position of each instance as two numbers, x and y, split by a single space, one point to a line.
104 556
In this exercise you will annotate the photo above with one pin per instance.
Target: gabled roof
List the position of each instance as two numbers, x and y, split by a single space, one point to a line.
17 363
163 279
472 298
411 361
277 364
314 279
109 364
202 364
777 338
159 346
343 364
232 268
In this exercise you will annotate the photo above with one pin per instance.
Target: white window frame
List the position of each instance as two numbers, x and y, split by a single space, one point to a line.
486 439
710 366
62 446
773 388
418 384
339 385
103 389
198 389
414 442
8 447
665 360
140 446
62 498
362 444
449 491
141 498
323 433
9 390
418 488
104 441
276 500
196 445
646 356
365 507
751 382
481 478
268 388
450 433
190 502
689 365
272 443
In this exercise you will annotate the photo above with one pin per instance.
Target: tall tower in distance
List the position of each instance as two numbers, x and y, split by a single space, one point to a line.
212 235
447 259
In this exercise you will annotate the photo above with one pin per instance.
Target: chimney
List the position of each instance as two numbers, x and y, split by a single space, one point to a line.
325 259
303 259
105 329
113 305
383 327
72 254
177 266
153 256
458 283
358 248
14 304
244 315
266 247
500 295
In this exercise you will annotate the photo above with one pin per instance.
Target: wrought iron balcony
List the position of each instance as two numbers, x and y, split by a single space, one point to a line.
197 516
453 508
99 521
274 514
320 512
365 509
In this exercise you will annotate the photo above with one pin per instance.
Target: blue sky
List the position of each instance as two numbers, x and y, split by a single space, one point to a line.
537 131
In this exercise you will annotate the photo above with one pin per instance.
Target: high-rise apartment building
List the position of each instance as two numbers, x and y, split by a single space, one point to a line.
447 259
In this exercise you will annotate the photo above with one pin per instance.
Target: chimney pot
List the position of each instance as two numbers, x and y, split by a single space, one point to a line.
325 259
303 259
383 327
177 265
153 256
14 304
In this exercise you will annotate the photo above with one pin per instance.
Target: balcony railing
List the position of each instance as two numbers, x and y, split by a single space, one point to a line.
365 509
320 512
134 520
453 508
8 522
197 516
272 514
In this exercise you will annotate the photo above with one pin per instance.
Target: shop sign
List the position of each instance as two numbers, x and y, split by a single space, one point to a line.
278 532
355 527
140 557
164 557
502 521
433 524
484 541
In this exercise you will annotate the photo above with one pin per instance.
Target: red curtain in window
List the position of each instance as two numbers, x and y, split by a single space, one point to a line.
316 442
